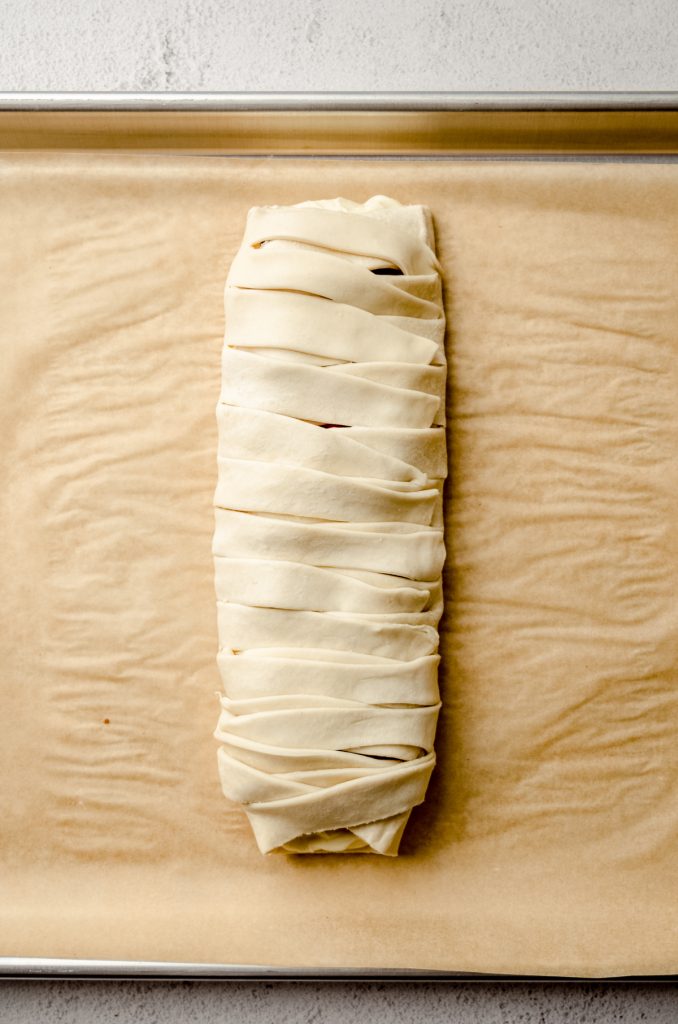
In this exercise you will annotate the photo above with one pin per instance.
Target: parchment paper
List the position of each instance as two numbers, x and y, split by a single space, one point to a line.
549 839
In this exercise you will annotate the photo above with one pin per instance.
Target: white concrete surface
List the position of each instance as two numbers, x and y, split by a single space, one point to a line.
266 1003
336 45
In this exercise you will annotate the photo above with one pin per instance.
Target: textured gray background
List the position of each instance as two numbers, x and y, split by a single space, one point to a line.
336 45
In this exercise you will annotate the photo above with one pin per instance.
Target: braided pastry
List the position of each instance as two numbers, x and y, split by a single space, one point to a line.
328 542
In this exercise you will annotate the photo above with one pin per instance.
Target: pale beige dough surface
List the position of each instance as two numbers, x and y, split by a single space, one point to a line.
327 745
547 842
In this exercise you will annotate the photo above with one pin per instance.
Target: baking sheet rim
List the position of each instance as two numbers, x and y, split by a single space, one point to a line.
27 968
336 124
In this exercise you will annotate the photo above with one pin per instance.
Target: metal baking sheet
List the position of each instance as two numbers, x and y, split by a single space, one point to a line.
426 125
376 124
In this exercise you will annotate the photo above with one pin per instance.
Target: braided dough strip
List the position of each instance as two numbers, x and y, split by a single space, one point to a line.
328 541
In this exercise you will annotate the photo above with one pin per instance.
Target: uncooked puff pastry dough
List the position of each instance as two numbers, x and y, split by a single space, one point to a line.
328 542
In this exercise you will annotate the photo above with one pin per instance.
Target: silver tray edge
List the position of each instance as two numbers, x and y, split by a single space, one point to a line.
376 101
39 968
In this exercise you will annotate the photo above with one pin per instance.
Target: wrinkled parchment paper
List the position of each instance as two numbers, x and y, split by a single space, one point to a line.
549 839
